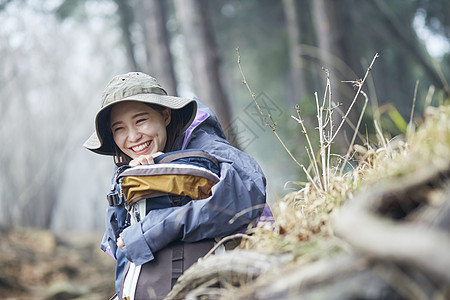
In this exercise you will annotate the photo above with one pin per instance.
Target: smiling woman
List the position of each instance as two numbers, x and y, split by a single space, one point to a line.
138 121
138 129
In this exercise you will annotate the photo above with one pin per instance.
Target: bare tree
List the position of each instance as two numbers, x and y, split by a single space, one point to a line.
44 101
202 52
330 33
152 17
126 20
298 84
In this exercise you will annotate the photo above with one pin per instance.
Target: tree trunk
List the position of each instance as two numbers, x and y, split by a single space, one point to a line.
330 35
204 62
152 16
297 85
124 12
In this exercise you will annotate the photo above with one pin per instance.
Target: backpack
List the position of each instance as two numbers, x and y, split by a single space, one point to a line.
175 179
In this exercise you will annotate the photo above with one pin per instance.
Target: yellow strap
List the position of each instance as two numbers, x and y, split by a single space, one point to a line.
195 187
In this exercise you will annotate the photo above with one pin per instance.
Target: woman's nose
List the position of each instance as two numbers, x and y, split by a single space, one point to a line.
134 135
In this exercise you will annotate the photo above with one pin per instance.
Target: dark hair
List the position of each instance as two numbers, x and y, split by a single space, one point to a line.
173 131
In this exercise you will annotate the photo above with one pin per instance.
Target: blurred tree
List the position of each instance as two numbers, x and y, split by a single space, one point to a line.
204 61
45 99
35 131
331 30
126 21
294 29
349 33
3 4
437 15
406 37
152 17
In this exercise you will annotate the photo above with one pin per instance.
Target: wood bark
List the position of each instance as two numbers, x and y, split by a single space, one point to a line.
152 17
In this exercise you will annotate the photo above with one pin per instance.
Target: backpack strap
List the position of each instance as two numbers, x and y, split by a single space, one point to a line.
185 154
122 280
177 261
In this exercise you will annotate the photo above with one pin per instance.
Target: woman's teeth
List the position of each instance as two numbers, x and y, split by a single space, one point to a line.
140 147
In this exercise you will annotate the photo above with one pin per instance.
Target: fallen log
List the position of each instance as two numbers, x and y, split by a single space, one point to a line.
365 223
229 269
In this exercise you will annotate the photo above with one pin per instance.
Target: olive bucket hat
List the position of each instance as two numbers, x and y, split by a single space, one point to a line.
133 86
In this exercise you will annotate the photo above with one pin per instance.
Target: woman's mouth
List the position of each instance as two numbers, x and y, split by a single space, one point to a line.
141 147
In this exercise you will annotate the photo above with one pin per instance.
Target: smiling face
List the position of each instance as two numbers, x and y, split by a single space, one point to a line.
139 129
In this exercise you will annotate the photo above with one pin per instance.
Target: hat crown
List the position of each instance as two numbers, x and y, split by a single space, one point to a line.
130 84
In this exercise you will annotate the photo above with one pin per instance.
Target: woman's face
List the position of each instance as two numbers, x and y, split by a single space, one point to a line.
139 129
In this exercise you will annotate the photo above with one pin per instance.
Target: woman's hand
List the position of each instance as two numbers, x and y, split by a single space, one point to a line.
120 243
144 159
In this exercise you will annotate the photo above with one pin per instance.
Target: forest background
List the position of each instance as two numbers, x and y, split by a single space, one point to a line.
56 57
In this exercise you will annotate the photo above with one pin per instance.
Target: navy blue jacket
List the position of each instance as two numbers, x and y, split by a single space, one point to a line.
241 189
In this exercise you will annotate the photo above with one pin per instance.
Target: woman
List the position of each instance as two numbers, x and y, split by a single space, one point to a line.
138 121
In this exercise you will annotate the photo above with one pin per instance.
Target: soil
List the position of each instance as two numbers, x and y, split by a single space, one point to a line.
36 264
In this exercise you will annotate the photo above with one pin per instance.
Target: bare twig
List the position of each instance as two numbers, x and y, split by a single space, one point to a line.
429 96
272 126
330 133
311 150
243 212
226 239
356 129
410 127
382 139
354 99
322 142
352 126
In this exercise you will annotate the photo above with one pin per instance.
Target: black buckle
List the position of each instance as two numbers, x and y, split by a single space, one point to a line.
113 199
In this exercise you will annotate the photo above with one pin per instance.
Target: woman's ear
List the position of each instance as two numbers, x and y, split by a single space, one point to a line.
167 115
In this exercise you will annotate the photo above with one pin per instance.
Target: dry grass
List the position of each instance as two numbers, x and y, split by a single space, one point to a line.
303 223
304 218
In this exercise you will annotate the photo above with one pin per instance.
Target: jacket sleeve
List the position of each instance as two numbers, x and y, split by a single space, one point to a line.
237 200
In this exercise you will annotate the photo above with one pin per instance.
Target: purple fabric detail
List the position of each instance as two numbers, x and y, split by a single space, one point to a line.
109 252
266 215
199 117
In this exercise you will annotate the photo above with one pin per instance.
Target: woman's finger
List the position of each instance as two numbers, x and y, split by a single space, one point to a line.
142 160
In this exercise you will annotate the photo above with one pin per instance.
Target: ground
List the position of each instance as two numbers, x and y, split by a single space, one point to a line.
36 264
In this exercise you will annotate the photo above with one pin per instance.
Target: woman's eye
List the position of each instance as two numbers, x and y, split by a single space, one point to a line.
140 121
117 129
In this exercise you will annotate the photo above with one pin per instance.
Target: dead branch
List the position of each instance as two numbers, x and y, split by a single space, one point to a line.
296 280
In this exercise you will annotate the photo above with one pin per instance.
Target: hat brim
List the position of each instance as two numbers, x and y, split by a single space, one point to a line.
100 142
